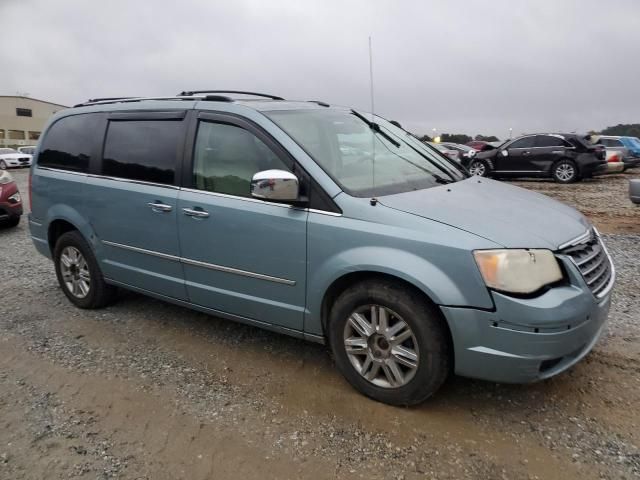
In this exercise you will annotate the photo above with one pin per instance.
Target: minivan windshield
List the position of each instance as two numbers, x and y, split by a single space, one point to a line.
365 158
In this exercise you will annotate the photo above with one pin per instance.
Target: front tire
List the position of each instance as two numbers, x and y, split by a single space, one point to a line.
565 171
12 222
479 168
3 165
389 343
78 273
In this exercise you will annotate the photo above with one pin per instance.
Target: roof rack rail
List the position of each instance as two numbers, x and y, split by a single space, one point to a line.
319 102
105 101
240 92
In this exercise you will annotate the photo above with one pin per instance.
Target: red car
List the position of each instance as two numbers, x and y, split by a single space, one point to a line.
10 201
479 145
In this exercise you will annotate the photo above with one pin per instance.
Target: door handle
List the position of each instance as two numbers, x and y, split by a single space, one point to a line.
526 153
159 207
190 212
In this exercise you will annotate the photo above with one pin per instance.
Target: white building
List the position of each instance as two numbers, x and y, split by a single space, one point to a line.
22 119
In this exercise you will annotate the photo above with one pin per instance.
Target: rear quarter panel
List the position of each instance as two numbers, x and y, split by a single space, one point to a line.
57 195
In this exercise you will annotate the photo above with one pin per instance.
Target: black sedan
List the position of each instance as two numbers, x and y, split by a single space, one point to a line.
564 157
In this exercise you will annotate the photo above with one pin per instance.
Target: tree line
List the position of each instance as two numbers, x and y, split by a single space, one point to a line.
622 129
460 138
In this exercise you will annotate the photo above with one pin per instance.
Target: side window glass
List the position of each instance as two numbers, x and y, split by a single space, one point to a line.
526 142
226 158
69 142
548 141
145 150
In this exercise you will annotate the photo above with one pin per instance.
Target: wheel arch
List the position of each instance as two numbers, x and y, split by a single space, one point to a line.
63 218
347 280
56 229
566 158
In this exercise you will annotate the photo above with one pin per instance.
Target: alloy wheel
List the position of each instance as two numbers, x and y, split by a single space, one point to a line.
75 272
565 172
477 168
381 346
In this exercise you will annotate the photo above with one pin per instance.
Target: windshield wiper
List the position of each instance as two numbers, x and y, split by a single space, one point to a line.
376 128
442 180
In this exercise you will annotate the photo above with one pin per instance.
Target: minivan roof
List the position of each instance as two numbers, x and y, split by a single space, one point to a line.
187 100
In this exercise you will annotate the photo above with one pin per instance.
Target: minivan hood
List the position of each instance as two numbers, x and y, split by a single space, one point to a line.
510 216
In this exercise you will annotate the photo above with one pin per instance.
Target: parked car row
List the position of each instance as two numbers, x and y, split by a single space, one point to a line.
565 158
627 147
10 157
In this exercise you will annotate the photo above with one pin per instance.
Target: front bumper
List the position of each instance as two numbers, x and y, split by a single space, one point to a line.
525 340
15 162
10 210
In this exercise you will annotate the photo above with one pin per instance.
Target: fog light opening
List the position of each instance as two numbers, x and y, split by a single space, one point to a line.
549 364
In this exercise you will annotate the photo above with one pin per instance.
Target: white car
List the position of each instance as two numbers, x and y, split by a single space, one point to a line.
29 149
615 164
449 152
12 158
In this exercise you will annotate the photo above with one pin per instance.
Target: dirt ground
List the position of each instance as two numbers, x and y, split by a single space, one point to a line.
605 200
148 390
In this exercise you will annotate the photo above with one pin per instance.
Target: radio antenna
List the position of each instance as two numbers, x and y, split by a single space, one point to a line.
373 118
371 79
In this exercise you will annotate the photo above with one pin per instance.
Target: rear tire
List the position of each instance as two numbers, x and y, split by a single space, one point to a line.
79 274
565 171
400 354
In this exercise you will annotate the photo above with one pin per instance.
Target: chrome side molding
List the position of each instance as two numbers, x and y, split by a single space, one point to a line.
197 263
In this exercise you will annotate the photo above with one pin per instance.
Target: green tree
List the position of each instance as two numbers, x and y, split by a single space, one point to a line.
455 138
485 138
623 129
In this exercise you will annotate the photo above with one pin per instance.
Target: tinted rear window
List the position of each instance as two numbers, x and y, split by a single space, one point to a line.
550 141
69 143
146 150
526 142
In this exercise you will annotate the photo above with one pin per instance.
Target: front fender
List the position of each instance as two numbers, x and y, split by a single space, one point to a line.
412 268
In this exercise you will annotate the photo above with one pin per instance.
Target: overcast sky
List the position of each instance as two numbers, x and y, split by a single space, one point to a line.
460 66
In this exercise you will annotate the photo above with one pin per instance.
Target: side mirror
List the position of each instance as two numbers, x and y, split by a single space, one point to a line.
504 153
276 185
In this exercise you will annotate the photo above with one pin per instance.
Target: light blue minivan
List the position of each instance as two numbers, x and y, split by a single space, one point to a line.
324 223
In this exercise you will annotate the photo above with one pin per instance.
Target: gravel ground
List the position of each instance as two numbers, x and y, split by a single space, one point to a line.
148 390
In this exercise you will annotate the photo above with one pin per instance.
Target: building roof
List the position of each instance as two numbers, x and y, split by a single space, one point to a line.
34 99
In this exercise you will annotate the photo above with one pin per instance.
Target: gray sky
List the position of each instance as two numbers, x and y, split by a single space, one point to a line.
461 66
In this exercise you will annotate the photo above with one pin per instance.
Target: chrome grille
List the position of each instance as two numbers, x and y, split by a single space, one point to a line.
594 263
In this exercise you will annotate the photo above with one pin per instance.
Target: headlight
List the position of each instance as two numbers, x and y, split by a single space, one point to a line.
5 177
518 271
15 198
